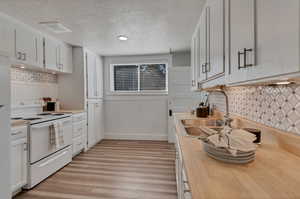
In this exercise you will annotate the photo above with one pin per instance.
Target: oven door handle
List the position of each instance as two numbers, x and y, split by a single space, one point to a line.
52 159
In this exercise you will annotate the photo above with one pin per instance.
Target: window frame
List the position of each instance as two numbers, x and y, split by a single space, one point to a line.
139 91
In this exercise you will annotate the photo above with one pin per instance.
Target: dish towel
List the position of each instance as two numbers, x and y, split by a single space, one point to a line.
233 140
61 133
52 135
56 133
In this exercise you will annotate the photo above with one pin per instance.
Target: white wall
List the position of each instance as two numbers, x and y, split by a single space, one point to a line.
134 117
181 59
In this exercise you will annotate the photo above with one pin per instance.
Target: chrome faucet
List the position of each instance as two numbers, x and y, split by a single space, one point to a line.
227 119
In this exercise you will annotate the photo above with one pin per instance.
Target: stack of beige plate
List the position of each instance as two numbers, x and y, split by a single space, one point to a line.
224 155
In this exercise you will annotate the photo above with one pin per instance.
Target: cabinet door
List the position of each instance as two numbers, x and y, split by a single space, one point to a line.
99 77
51 54
66 58
26 46
99 119
215 37
18 164
242 38
277 38
6 37
202 42
92 124
91 75
193 65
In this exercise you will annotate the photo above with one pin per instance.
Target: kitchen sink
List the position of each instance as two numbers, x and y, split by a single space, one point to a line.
200 127
195 132
200 122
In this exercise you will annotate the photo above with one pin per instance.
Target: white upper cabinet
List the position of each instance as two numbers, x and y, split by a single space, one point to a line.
194 62
58 56
94 67
90 61
51 54
241 38
99 72
66 60
247 40
208 44
6 37
28 46
215 38
202 52
277 38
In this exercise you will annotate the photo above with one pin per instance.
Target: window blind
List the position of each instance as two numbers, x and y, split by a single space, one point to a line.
126 78
144 77
153 77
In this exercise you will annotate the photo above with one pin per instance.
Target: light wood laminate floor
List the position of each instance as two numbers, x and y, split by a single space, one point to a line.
114 169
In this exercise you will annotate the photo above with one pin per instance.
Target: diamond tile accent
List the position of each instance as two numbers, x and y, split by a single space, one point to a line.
277 107
22 75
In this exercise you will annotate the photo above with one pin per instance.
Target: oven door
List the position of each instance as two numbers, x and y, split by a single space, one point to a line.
39 138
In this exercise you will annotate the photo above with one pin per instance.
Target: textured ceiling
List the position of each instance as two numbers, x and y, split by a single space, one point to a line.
153 26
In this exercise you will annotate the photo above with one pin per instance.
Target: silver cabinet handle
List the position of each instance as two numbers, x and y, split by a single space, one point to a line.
203 68
24 56
19 55
193 82
16 133
25 146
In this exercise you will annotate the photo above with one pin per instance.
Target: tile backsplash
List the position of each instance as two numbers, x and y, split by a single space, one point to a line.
28 87
32 76
277 106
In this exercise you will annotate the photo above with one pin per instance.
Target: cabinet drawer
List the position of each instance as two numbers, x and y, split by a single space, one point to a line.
19 132
77 145
44 168
79 129
79 117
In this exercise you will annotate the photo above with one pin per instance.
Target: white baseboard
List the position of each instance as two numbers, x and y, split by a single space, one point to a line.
127 136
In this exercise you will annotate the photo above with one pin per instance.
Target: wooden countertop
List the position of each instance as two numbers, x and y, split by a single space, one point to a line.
71 111
275 173
16 123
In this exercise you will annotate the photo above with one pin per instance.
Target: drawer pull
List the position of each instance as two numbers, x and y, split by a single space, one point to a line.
16 133
187 191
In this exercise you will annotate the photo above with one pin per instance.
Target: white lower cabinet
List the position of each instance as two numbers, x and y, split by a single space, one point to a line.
183 188
18 158
95 122
79 133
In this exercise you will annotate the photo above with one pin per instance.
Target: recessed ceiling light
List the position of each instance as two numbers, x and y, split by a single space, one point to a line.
122 37
22 67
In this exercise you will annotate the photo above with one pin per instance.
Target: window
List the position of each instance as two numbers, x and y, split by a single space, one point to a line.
139 78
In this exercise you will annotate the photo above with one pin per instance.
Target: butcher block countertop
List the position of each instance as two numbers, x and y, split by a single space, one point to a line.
70 111
275 173
16 123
